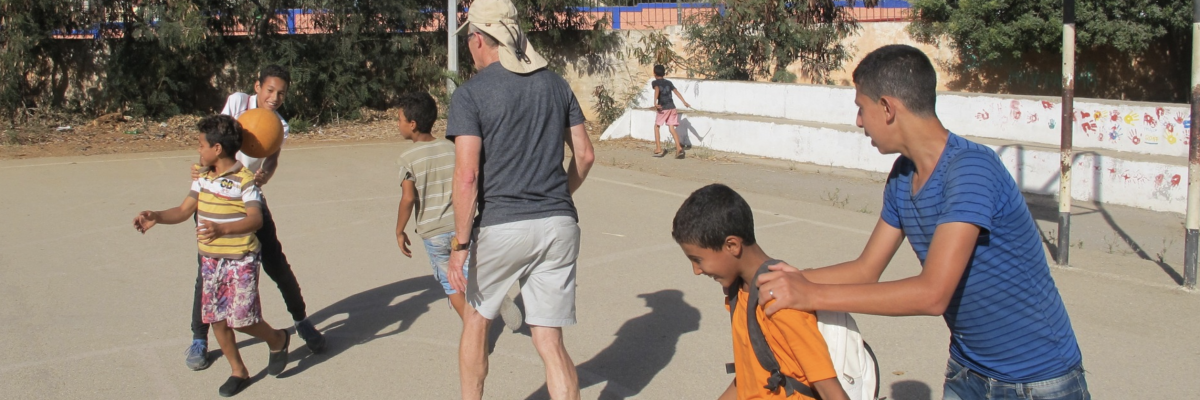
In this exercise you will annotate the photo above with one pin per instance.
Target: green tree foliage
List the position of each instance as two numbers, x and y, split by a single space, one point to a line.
159 58
1136 49
565 36
655 48
26 50
755 38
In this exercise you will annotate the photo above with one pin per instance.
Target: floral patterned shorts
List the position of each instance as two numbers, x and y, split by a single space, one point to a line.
230 290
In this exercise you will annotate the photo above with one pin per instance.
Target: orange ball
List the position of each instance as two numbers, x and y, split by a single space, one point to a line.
262 133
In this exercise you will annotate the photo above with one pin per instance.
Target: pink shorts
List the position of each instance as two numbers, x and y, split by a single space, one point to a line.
230 291
667 117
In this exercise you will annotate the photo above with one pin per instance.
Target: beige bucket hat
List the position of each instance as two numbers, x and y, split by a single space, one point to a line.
498 18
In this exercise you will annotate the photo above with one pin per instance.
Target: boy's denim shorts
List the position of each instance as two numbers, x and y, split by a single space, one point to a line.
963 383
438 248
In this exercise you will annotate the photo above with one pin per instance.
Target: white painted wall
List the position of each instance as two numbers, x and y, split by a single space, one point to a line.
1148 185
1144 128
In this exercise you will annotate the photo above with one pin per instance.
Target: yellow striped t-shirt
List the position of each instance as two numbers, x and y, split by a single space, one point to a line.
222 199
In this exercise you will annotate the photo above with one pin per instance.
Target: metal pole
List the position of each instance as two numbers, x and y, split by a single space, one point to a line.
1068 124
1193 204
679 12
451 44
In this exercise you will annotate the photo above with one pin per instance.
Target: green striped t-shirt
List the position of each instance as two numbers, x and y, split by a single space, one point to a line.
430 166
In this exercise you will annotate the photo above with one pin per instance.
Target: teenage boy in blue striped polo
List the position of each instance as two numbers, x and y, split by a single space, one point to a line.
983 267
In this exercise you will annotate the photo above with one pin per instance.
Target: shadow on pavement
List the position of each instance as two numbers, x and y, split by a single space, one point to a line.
911 390
644 346
1045 208
369 315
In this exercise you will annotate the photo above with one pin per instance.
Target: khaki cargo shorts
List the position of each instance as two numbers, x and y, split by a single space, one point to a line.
540 254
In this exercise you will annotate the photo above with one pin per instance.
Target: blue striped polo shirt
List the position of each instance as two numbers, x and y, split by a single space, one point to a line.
1006 318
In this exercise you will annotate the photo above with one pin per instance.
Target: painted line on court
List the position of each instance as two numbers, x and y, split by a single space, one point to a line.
1126 279
615 256
90 354
59 239
175 157
758 210
621 255
95 162
326 202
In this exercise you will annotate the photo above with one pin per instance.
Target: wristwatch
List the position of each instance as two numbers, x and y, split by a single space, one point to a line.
456 246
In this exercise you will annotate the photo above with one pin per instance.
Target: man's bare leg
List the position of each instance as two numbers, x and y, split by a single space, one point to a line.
458 302
472 353
561 380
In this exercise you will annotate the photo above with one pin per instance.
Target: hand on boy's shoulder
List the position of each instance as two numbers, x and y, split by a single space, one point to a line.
784 287
261 178
198 170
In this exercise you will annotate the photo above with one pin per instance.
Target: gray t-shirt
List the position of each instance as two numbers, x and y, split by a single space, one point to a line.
522 119
665 88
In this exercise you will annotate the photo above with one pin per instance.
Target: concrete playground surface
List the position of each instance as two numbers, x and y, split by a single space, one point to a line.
92 309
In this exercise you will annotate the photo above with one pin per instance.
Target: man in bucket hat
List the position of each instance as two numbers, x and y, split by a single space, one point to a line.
512 196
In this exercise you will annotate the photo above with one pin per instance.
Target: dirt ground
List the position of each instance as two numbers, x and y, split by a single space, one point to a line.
117 134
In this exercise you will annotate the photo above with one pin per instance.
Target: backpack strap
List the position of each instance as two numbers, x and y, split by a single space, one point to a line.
762 350
731 296
758 341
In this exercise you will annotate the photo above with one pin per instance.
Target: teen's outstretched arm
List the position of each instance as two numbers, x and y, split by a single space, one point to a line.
928 293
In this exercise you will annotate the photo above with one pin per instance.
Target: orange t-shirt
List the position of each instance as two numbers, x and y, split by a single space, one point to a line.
796 343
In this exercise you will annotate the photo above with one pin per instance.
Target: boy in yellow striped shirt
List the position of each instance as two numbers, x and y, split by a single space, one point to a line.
228 205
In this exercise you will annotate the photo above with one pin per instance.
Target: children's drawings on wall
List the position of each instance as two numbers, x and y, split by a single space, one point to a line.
1165 184
1118 125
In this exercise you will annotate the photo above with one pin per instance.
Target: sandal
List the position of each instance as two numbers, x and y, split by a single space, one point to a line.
233 385
659 154
680 155
279 359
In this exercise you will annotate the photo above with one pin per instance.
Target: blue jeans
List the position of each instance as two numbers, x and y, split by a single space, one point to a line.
965 384
438 248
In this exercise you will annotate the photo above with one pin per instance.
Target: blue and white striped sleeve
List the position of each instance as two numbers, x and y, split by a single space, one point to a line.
890 213
970 189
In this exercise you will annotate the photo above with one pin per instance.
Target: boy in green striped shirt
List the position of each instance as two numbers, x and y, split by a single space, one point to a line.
426 173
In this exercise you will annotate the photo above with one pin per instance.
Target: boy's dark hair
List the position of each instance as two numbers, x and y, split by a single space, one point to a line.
275 71
224 130
711 214
660 70
899 71
419 107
